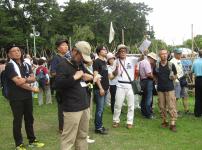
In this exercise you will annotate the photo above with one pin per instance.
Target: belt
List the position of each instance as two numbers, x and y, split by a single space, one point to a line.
124 82
146 79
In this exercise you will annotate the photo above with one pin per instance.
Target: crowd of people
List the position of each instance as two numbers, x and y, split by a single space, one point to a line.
78 76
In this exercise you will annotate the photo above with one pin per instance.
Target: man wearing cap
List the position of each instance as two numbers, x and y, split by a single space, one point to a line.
19 76
124 88
63 51
181 91
146 78
197 70
70 79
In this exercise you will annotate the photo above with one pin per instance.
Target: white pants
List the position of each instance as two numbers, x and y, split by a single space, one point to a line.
121 95
47 92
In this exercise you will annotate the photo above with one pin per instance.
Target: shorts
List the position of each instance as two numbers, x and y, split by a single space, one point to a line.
180 92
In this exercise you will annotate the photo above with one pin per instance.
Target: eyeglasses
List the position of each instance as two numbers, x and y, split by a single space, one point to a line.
122 51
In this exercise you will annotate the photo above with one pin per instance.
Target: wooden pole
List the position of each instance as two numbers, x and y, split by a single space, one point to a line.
192 44
122 32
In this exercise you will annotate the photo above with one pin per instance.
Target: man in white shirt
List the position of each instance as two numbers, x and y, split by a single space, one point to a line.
124 88
181 91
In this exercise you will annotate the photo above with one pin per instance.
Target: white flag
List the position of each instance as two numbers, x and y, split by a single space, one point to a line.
111 33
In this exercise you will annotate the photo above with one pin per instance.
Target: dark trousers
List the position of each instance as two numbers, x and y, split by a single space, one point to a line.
198 97
19 109
60 111
113 94
147 96
52 80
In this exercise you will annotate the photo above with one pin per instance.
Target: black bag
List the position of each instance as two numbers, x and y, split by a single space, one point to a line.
136 86
183 81
4 84
135 83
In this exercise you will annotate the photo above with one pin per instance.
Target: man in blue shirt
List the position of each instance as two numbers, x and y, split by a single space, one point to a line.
197 70
62 46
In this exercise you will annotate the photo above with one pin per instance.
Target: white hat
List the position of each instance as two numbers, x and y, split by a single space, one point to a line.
85 49
152 55
110 55
43 58
120 46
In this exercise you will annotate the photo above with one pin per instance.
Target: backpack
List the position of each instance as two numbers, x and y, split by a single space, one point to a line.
169 67
4 84
4 80
41 78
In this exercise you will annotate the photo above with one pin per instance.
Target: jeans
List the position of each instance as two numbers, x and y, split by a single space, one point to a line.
100 102
147 96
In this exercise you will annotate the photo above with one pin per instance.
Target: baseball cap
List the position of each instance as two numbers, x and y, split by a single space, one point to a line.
178 50
85 49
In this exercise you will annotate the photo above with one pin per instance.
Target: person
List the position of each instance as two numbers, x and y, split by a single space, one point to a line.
70 80
28 59
181 91
101 88
165 72
42 76
146 82
19 76
62 46
197 70
112 72
2 67
124 88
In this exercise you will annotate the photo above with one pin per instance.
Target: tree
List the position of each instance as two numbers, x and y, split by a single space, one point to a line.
197 42
82 33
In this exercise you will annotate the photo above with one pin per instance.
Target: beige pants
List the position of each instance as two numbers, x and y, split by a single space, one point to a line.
75 130
166 101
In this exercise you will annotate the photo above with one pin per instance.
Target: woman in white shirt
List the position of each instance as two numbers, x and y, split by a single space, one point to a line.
112 72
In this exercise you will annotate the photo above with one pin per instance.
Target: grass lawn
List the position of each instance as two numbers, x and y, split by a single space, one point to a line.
146 135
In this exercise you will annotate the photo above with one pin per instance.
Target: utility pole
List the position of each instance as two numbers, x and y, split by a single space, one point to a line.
122 31
27 46
34 34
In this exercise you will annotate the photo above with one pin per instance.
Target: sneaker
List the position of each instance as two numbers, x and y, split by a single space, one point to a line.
164 125
101 131
115 125
20 147
36 144
173 128
90 141
129 126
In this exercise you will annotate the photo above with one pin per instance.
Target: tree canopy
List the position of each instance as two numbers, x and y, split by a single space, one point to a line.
88 20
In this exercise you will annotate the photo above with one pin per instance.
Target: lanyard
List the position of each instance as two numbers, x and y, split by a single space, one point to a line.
121 67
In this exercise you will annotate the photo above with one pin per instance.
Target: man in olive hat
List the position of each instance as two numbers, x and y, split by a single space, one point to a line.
71 79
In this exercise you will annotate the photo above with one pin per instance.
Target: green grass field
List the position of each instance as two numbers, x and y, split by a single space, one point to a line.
146 135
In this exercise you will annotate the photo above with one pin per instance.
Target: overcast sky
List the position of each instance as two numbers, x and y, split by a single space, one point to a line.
172 19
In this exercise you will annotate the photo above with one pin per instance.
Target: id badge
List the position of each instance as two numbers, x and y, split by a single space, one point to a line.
83 84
